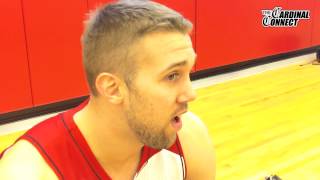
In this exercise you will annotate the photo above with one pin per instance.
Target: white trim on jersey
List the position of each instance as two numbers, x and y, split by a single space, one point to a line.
164 165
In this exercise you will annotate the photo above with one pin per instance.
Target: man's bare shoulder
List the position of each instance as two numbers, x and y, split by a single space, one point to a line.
198 148
23 161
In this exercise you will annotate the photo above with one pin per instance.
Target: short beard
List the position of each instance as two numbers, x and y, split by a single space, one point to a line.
147 134
144 129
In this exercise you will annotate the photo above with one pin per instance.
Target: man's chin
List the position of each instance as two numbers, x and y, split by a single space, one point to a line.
172 140
163 141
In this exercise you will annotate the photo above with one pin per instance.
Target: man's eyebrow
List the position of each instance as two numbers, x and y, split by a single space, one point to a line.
177 64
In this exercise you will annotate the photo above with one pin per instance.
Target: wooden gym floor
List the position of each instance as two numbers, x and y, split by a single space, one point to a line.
262 124
265 124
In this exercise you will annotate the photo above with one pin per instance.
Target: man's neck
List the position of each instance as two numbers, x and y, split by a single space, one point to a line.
110 139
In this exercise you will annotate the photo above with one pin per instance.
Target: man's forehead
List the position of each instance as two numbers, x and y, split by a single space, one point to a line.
170 40
158 47
180 63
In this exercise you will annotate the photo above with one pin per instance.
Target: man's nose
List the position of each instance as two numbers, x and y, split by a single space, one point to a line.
188 94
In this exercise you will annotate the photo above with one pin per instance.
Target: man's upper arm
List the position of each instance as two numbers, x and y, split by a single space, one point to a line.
23 161
198 149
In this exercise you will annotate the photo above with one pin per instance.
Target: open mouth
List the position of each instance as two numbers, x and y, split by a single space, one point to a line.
176 123
176 119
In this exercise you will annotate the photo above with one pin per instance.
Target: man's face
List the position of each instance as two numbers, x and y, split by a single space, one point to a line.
161 88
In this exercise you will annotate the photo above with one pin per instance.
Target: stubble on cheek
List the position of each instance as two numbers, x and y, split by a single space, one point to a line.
149 134
150 125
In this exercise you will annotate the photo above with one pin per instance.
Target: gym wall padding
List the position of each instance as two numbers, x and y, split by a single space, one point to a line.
15 90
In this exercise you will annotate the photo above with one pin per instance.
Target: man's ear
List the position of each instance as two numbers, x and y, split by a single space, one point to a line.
108 86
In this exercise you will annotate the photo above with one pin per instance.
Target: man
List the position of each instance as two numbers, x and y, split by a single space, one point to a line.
317 60
135 125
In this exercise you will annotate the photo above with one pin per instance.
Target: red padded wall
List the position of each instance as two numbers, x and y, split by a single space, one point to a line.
230 32
315 16
212 41
249 39
53 36
15 92
300 37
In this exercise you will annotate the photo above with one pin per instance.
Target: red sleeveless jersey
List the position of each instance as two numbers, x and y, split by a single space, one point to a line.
66 151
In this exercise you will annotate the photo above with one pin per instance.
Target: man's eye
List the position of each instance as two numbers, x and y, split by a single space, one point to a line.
173 76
